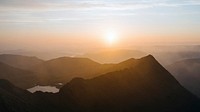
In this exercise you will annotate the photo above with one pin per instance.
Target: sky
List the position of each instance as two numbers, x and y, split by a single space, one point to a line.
85 24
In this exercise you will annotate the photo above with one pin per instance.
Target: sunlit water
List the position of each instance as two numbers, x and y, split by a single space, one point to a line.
50 89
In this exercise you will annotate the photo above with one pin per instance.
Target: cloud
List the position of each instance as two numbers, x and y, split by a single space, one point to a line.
90 5
67 10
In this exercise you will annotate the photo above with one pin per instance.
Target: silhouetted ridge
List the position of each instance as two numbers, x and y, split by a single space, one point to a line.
128 61
147 86
144 87
10 88
21 78
148 59
19 61
4 66
133 62
150 66
14 99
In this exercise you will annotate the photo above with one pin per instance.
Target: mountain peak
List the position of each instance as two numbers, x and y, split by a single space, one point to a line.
146 84
128 61
148 58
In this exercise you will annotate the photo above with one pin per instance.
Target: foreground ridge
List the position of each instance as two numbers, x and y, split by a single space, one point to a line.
145 86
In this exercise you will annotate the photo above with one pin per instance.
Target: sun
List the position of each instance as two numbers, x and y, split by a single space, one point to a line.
111 38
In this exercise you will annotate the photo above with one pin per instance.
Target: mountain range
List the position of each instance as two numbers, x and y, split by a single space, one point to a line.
58 70
21 78
19 61
144 86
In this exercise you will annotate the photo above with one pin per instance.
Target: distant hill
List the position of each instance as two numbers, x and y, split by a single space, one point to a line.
54 71
19 61
187 72
21 78
114 56
64 69
144 87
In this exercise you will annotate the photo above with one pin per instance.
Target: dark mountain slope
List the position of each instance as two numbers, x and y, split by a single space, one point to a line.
21 78
187 72
145 87
19 61
13 99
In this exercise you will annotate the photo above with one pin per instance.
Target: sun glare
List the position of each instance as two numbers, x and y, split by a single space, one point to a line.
111 38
